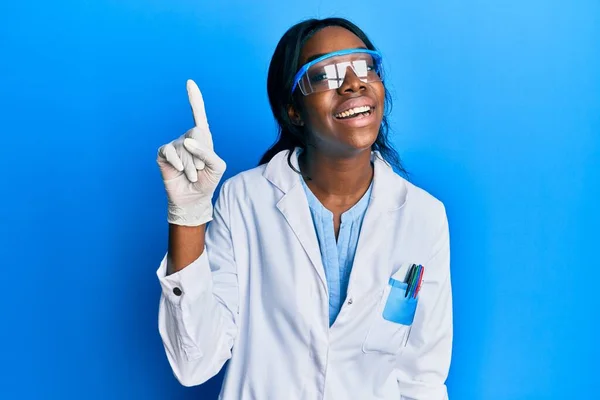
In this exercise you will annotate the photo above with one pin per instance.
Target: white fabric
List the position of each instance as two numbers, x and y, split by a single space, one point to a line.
258 297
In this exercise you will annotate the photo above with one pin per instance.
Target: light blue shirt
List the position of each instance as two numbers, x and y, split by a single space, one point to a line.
337 257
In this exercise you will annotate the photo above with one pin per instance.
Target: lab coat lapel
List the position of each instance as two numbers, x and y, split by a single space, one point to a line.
294 207
385 210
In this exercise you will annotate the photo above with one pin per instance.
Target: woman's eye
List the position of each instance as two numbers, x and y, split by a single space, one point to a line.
318 78
371 69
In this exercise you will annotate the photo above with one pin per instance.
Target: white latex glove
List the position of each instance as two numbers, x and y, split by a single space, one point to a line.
191 169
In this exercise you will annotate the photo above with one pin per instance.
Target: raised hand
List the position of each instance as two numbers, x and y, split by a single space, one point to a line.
190 168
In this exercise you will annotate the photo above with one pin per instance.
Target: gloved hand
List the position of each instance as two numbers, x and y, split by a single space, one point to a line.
191 169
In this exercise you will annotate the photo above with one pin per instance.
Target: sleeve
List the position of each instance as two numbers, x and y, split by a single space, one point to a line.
425 362
198 309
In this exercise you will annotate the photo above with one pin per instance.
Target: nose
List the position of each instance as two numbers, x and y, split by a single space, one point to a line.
352 83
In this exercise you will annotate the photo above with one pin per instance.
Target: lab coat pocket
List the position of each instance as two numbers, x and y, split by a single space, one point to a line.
389 330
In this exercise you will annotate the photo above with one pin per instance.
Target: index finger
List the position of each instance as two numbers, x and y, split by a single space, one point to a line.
197 103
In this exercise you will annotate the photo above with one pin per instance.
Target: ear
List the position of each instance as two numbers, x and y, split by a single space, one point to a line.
294 115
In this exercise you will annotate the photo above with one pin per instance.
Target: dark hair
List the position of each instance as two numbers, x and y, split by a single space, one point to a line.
284 65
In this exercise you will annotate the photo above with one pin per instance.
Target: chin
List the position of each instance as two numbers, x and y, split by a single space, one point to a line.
361 141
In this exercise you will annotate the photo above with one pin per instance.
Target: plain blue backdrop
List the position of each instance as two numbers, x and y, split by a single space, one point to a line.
496 112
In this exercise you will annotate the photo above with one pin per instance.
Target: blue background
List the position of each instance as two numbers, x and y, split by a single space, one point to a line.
497 113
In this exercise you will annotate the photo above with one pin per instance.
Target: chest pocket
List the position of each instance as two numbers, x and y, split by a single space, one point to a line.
391 325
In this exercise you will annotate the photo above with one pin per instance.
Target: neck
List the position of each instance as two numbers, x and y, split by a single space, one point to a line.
337 176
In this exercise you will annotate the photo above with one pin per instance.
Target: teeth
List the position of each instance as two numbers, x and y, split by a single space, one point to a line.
352 111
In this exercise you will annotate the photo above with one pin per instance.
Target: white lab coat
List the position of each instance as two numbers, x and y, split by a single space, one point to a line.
258 296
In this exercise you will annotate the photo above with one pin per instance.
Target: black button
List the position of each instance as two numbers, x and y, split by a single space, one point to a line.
177 291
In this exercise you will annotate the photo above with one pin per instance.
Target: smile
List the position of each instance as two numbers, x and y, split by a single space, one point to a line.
355 112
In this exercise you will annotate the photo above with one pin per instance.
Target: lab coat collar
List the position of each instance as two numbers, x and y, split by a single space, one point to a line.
389 190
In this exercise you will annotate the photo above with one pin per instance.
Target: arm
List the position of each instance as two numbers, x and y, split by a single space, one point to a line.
198 305
186 244
423 367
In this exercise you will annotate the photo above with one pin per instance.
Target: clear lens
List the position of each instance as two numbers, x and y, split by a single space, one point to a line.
330 73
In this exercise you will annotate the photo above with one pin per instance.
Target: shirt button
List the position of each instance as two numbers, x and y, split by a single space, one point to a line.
350 301
177 291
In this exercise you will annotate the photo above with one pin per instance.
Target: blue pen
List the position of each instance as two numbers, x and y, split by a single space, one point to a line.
411 271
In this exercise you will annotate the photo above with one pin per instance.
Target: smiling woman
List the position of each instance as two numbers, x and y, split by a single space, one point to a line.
320 112
323 274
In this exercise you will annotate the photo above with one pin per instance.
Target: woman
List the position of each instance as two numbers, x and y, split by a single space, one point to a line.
323 274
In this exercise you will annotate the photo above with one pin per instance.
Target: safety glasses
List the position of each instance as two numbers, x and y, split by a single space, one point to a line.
329 71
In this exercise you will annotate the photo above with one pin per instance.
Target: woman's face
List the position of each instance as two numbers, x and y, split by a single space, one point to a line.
320 112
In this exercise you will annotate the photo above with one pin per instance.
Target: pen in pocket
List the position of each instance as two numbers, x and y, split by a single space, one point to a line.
413 280
420 281
408 278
